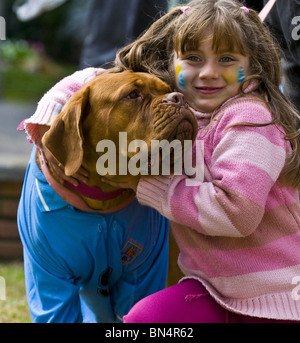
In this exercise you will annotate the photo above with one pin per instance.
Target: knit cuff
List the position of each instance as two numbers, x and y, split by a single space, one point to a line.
153 192
44 115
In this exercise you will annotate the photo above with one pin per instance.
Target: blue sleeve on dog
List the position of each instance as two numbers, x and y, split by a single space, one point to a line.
87 267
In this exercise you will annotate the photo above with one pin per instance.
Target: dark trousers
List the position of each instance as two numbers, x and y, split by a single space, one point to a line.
112 24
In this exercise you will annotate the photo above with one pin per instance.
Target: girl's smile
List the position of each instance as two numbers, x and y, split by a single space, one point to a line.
208 90
208 78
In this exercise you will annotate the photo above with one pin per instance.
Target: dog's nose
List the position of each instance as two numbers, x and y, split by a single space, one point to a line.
175 98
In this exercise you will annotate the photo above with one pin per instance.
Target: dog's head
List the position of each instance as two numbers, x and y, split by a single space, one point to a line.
137 104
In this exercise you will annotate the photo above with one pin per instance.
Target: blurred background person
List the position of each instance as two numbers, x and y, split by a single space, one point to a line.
110 24
257 5
284 22
29 9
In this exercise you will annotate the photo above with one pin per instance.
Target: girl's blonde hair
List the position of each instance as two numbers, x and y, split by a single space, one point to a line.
179 31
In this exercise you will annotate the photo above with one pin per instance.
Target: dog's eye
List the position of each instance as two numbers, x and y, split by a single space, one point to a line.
133 95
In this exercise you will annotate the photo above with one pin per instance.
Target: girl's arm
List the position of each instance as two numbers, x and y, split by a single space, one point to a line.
239 175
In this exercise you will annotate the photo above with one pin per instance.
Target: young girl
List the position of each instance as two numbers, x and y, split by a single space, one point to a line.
238 230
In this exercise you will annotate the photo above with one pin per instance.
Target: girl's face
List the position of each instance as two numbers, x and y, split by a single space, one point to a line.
207 79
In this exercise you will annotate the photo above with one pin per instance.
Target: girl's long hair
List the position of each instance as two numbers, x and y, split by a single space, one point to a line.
153 52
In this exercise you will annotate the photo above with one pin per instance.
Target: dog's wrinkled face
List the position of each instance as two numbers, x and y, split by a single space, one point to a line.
136 103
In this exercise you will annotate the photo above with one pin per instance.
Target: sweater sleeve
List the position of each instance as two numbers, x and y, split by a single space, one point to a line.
53 101
241 165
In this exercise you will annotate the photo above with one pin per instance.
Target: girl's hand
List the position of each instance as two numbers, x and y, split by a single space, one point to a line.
58 170
128 182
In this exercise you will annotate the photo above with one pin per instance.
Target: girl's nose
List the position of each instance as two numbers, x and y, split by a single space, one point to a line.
208 71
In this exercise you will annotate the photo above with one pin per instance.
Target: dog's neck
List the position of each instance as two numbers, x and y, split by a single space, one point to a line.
94 198
94 192
101 196
98 200
97 194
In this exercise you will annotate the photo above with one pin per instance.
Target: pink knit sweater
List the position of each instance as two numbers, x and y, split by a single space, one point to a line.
238 231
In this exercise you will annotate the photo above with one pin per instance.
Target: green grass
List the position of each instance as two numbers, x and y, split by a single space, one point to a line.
14 309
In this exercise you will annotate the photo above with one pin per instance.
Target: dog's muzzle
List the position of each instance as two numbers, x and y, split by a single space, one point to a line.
174 119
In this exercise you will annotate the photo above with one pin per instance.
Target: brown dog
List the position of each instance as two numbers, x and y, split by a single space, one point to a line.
136 103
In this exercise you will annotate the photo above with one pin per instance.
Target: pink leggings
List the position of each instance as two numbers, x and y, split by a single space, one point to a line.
186 302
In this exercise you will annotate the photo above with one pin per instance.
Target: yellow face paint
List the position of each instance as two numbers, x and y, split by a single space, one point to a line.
231 76
181 81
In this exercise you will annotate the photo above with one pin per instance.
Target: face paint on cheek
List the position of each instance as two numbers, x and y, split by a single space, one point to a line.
233 76
241 75
181 78
230 77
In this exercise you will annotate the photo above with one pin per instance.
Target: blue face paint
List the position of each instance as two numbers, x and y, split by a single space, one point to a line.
181 80
241 75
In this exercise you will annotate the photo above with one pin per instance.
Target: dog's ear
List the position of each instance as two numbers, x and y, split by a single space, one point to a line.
64 139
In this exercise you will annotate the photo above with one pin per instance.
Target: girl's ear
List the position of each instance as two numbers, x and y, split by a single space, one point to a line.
64 139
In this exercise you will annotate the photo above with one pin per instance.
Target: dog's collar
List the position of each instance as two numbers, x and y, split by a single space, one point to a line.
69 196
93 192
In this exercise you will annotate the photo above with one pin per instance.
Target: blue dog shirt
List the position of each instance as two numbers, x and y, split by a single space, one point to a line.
87 267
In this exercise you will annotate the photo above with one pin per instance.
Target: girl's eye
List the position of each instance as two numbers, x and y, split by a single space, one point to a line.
133 95
193 58
226 59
